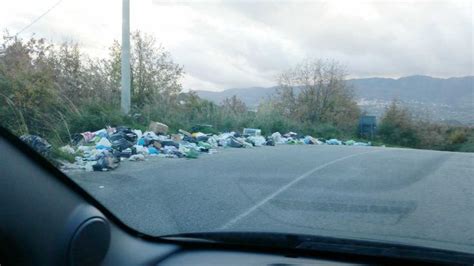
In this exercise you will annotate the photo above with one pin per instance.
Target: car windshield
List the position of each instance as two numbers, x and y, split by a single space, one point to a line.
344 119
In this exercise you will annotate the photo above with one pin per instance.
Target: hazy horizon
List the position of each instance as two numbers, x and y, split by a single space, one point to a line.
369 77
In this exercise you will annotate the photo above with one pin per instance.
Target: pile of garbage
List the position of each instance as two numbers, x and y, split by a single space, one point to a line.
104 149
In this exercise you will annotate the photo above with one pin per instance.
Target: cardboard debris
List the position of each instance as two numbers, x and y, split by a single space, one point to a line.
158 128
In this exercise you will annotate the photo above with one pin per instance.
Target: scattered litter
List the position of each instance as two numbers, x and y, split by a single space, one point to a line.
104 149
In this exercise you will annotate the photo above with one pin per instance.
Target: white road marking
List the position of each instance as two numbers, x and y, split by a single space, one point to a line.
285 187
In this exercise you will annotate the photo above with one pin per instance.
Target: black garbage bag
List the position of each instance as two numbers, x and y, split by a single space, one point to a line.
148 141
169 143
125 153
270 142
106 161
179 154
38 144
127 133
119 141
190 139
235 143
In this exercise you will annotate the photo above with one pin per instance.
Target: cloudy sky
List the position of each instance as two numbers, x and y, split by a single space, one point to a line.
229 44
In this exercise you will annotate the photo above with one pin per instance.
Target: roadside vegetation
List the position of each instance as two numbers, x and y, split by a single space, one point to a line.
57 90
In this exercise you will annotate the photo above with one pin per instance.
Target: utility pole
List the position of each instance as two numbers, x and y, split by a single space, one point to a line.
125 96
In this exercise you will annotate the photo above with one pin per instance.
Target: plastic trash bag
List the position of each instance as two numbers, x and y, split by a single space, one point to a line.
137 157
88 136
311 140
138 132
101 133
103 142
204 145
127 133
290 135
270 142
257 140
245 144
141 149
198 134
67 149
169 149
333 142
106 161
141 142
121 144
38 144
169 143
277 138
213 141
119 141
153 150
234 143
150 135
349 142
125 153
191 154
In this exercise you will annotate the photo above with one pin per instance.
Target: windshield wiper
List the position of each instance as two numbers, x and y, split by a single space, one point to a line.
329 244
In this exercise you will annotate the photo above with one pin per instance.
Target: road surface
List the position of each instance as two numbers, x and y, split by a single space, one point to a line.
387 194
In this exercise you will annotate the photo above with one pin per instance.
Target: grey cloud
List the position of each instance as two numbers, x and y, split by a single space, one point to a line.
391 39
224 44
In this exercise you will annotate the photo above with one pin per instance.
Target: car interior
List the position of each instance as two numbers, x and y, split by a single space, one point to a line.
47 219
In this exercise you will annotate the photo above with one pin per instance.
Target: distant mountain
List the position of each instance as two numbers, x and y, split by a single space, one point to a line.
450 99
451 91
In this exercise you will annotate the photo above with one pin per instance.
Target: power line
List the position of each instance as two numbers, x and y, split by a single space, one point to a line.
38 18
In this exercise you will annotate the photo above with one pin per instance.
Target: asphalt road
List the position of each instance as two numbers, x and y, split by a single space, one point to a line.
424 197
